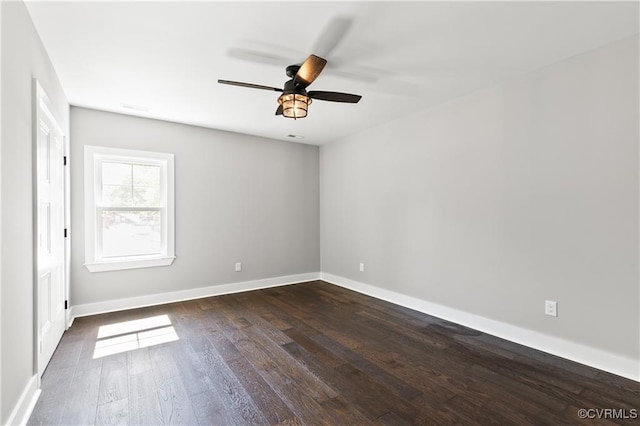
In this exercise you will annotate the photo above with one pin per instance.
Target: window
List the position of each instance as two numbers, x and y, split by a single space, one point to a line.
129 209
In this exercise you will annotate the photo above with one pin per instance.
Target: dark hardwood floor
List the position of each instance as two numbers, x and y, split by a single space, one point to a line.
310 353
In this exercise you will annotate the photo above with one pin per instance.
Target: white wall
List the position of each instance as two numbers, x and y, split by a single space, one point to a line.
239 198
23 58
494 202
1 417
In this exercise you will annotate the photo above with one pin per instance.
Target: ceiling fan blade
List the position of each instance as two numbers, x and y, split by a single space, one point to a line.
309 70
258 57
279 110
249 85
332 35
334 96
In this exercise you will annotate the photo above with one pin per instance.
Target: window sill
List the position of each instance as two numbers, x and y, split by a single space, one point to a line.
129 264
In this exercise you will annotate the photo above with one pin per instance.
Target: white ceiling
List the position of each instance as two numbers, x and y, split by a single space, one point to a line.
166 57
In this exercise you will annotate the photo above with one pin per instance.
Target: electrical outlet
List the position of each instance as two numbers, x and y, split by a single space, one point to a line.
362 267
551 308
238 267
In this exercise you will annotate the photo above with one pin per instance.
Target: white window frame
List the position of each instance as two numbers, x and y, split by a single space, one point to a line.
94 156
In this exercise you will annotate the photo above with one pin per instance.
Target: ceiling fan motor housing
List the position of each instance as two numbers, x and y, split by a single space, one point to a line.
290 87
292 70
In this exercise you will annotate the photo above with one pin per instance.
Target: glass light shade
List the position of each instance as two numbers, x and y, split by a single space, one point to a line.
294 105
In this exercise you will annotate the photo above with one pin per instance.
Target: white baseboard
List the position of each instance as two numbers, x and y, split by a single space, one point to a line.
181 295
24 407
583 354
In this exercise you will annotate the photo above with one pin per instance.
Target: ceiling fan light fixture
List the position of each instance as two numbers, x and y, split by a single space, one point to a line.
294 105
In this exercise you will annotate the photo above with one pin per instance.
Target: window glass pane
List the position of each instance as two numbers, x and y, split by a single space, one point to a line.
117 195
116 185
146 175
116 174
145 196
130 233
146 186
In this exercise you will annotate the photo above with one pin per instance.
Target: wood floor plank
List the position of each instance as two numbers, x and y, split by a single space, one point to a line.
175 404
190 368
613 382
223 345
162 363
272 407
381 401
393 383
81 403
517 387
138 361
276 298
114 413
360 404
86 358
204 304
303 405
314 353
173 398
279 323
210 409
411 330
434 411
390 419
324 355
267 328
307 409
68 352
343 412
144 407
472 413
228 387
114 380
293 369
514 412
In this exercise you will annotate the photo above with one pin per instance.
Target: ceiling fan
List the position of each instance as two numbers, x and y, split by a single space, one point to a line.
295 100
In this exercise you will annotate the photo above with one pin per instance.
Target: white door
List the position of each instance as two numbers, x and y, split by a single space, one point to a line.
50 217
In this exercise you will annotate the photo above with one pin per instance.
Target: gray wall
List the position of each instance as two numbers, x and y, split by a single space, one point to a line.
496 201
23 57
238 199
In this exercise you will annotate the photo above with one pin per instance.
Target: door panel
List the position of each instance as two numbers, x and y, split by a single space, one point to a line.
50 233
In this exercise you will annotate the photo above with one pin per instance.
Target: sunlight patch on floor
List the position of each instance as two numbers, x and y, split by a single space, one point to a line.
135 334
133 326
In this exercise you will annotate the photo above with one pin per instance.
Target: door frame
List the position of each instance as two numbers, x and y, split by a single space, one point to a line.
42 104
